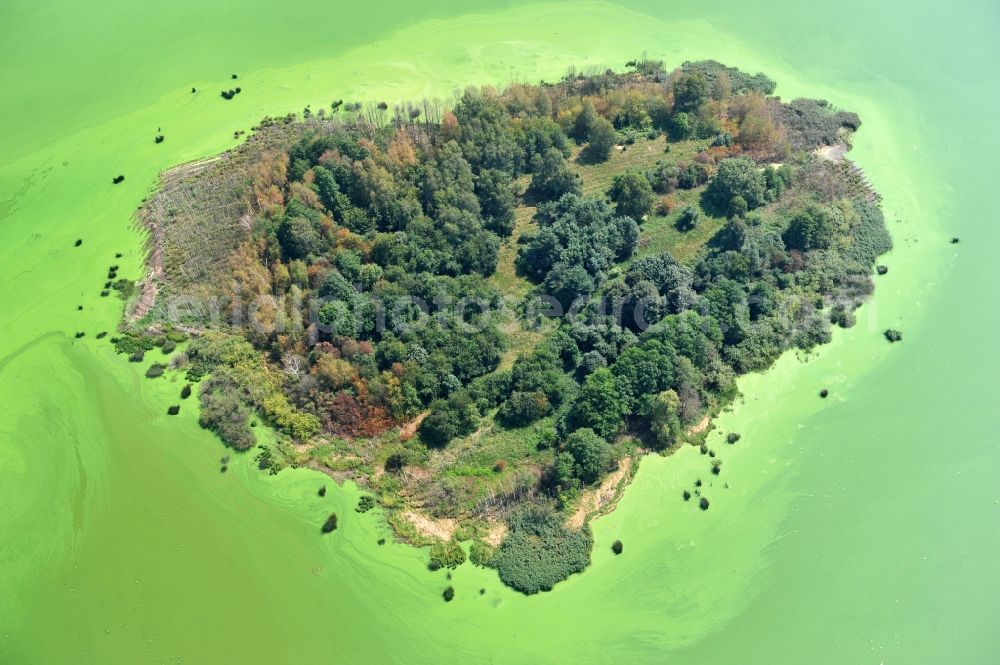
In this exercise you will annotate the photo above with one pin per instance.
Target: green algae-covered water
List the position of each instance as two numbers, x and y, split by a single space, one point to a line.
864 528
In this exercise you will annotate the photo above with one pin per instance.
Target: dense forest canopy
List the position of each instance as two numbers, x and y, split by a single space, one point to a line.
479 309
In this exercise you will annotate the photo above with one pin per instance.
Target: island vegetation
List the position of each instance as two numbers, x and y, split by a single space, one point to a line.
484 310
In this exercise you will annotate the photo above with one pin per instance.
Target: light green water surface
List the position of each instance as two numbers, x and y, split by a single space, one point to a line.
860 529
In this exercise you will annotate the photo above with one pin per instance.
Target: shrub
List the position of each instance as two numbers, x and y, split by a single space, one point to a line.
155 370
168 346
480 553
456 416
664 205
173 410
686 494
365 503
842 316
813 122
446 554
330 524
224 413
723 139
584 121
186 391
870 237
823 393
523 408
616 547
131 344
692 175
689 218
448 594
663 176
893 335
703 503
322 491
395 462
539 551
266 461
732 437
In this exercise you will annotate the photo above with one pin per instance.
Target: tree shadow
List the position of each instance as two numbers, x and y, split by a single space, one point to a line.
588 157
710 206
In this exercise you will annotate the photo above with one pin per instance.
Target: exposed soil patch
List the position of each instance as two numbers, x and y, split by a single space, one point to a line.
496 534
442 528
408 430
700 427
833 153
601 496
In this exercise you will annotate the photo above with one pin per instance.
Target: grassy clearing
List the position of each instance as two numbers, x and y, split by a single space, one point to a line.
506 279
494 443
659 233
643 154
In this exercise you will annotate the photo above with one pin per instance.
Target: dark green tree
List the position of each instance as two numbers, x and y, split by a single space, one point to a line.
329 192
602 140
737 177
810 228
523 408
568 281
449 418
299 238
584 121
591 454
664 418
632 194
690 91
551 176
496 198
600 405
